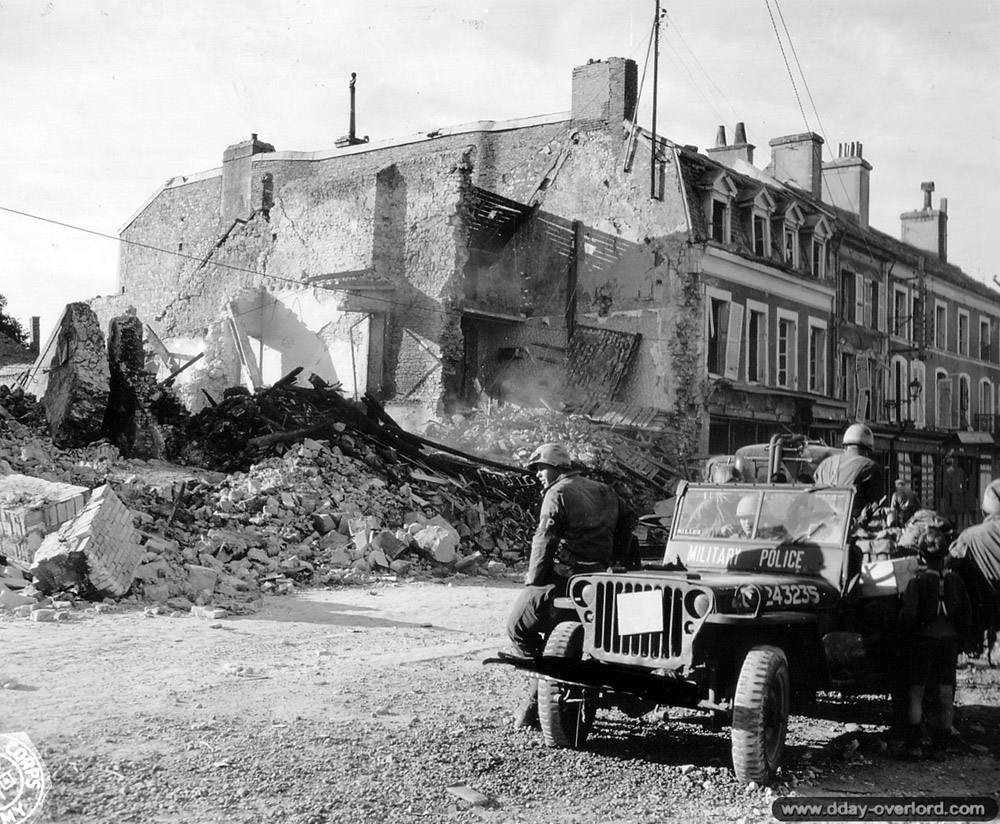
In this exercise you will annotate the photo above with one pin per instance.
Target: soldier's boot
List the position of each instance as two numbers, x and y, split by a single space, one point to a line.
939 745
913 748
526 716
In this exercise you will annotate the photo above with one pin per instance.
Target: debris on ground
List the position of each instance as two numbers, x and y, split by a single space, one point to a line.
289 486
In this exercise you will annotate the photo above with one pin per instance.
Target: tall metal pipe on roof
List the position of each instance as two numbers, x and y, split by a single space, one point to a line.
656 72
351 129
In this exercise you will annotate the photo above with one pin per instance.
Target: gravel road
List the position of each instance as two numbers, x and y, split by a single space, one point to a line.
371 704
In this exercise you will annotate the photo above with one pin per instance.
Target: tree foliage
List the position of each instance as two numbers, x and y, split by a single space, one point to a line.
10 327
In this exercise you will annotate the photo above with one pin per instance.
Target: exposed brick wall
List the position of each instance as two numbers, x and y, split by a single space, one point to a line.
31 508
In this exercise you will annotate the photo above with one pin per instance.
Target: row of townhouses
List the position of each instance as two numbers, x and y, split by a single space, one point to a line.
578 259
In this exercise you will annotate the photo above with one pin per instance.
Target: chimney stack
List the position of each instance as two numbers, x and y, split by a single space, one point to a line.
927 229
797 160
726 154
237 161
605 93
36 334
846 182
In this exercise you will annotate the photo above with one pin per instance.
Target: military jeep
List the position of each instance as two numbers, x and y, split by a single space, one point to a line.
729 622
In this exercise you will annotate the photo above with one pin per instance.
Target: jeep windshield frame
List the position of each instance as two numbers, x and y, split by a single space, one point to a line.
784 529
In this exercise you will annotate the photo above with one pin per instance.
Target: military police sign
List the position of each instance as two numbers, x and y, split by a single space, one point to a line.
23 779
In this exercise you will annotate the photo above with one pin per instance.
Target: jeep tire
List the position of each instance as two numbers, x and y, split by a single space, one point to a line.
566 712
760 714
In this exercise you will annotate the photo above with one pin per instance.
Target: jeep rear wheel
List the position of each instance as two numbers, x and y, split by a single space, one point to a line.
760 715
566 712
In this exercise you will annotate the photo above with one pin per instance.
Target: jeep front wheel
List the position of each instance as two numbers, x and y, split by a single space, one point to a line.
760 714
566 712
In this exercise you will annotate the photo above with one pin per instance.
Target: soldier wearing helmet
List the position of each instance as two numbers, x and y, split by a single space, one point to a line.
743 521
575 534
980 544
936 625
854 467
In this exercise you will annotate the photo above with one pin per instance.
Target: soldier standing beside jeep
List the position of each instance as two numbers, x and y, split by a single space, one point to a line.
935 621
575 533
854 467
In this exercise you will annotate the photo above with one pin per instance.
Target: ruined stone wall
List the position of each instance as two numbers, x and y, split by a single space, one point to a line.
391 210
636 270
181 223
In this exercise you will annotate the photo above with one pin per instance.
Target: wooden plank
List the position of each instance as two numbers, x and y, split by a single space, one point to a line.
243 347
160 349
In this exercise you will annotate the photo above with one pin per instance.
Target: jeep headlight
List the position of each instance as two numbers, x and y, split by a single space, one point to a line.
698 603
584 593
748 599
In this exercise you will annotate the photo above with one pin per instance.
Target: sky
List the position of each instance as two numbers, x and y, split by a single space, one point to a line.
102 101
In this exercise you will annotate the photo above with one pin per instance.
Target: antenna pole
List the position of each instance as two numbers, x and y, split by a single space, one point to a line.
656 72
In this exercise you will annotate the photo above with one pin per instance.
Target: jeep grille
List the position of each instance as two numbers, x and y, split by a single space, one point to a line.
669 647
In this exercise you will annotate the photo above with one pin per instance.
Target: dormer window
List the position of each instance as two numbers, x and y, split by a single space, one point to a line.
816 234
785 223
720 220
756 205
719 192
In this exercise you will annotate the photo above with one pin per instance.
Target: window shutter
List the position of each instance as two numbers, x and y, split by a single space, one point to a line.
859 296
862 373
861 413
734 338
882 306
944 403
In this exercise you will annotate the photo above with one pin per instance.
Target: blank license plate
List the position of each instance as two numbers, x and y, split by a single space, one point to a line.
639 612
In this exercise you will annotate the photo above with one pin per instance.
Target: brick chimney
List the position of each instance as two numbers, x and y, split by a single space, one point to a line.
36 335
727 154
236 179
927 229
604 92
798 161
846 182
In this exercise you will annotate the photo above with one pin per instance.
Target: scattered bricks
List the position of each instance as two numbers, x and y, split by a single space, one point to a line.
153 543
496 567
377 558
468 564
23 611
324 522
201 580
45 615
210 612
340 557
439 542
98 550
401 567
10 600
259 556
389 544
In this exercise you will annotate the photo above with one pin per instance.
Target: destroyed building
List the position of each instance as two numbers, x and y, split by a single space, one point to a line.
566 259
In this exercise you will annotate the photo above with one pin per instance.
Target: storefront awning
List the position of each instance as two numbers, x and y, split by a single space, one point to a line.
975 437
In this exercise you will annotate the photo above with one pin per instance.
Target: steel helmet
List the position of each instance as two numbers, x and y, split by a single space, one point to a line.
745 468
725 474
747 507
991 498
550 454
858 434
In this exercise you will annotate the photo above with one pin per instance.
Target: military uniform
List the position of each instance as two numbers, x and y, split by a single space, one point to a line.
575 533
852 469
